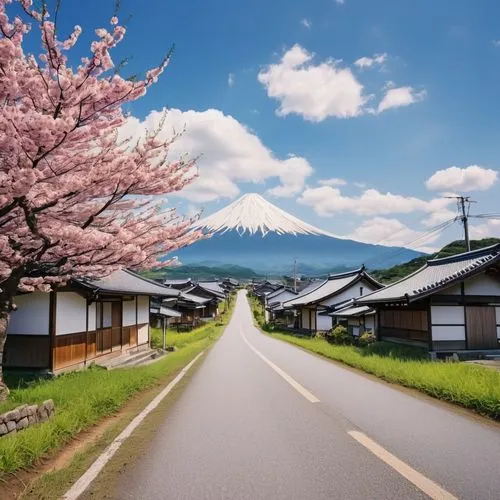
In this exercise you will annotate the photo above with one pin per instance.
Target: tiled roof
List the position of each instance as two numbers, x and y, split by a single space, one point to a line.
276 293
435 275
333 285
352 311
128 282
165 311
194 298
212 287
186 281
278 300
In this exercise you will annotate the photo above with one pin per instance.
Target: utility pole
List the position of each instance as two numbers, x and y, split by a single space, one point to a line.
295 275
465 220
461 201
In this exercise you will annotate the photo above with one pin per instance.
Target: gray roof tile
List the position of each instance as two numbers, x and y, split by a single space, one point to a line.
128 282
435 275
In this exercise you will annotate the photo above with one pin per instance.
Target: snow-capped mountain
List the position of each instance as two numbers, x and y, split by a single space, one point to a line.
252 214
254 233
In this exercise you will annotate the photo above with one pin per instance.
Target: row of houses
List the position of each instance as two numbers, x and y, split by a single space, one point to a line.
450 304
90 320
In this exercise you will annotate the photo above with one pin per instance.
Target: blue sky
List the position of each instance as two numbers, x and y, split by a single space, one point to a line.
326 107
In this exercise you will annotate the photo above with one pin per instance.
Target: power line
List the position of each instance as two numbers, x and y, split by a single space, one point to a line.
408 246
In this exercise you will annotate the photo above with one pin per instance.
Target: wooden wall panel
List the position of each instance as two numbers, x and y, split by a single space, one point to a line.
126 335
91 345
133 335
116 338
27 351
481 327
69 350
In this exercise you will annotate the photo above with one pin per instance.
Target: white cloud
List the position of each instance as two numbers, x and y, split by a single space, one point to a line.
496 43
328 201
489 229
438 217
471 178
335 181
307 23
313 91
391 232
231 80
360 185
369 62
340 2
230 153
327 89
400 96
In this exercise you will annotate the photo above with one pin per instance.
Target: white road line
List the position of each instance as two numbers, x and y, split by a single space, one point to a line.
299 388
429 487
84 482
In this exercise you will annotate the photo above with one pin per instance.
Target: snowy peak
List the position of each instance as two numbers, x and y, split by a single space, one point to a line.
253 214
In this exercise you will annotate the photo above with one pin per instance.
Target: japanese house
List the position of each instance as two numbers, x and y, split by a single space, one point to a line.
77 324
357 319
451 303
336 290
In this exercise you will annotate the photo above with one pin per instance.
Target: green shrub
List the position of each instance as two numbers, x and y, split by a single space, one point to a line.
340 336
367 339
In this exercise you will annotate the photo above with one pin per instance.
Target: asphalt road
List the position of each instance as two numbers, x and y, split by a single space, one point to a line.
243 429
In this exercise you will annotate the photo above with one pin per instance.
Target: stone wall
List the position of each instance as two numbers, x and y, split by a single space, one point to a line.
24 416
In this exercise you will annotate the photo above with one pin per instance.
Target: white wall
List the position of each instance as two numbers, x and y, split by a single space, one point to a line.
323 322
92 316
483 284
351 293
31 316
370 322
143 309
129 312
106 314
455 332
71 313
447 315
142 335
305 318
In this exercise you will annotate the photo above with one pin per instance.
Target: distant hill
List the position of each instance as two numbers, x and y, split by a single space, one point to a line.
202 272
399 271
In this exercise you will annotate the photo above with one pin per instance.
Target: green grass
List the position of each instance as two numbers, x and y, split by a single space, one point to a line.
180 339
83 398
473 387
257 310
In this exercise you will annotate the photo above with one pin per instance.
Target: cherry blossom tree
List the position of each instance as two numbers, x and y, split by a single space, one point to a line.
76 198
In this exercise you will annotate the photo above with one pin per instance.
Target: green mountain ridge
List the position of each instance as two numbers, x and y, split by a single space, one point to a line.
201 272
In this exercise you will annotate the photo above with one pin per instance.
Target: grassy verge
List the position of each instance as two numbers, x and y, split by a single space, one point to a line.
83 398
472 387
179 340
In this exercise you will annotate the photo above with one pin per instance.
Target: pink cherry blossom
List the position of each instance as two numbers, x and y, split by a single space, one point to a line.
75 200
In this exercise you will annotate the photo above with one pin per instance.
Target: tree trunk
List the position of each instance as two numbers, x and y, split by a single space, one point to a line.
4 322
8 289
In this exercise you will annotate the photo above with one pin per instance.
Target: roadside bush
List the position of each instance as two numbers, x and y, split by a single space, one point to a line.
368 338
340 336
268 327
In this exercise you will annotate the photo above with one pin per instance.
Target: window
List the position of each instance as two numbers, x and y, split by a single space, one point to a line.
360 290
